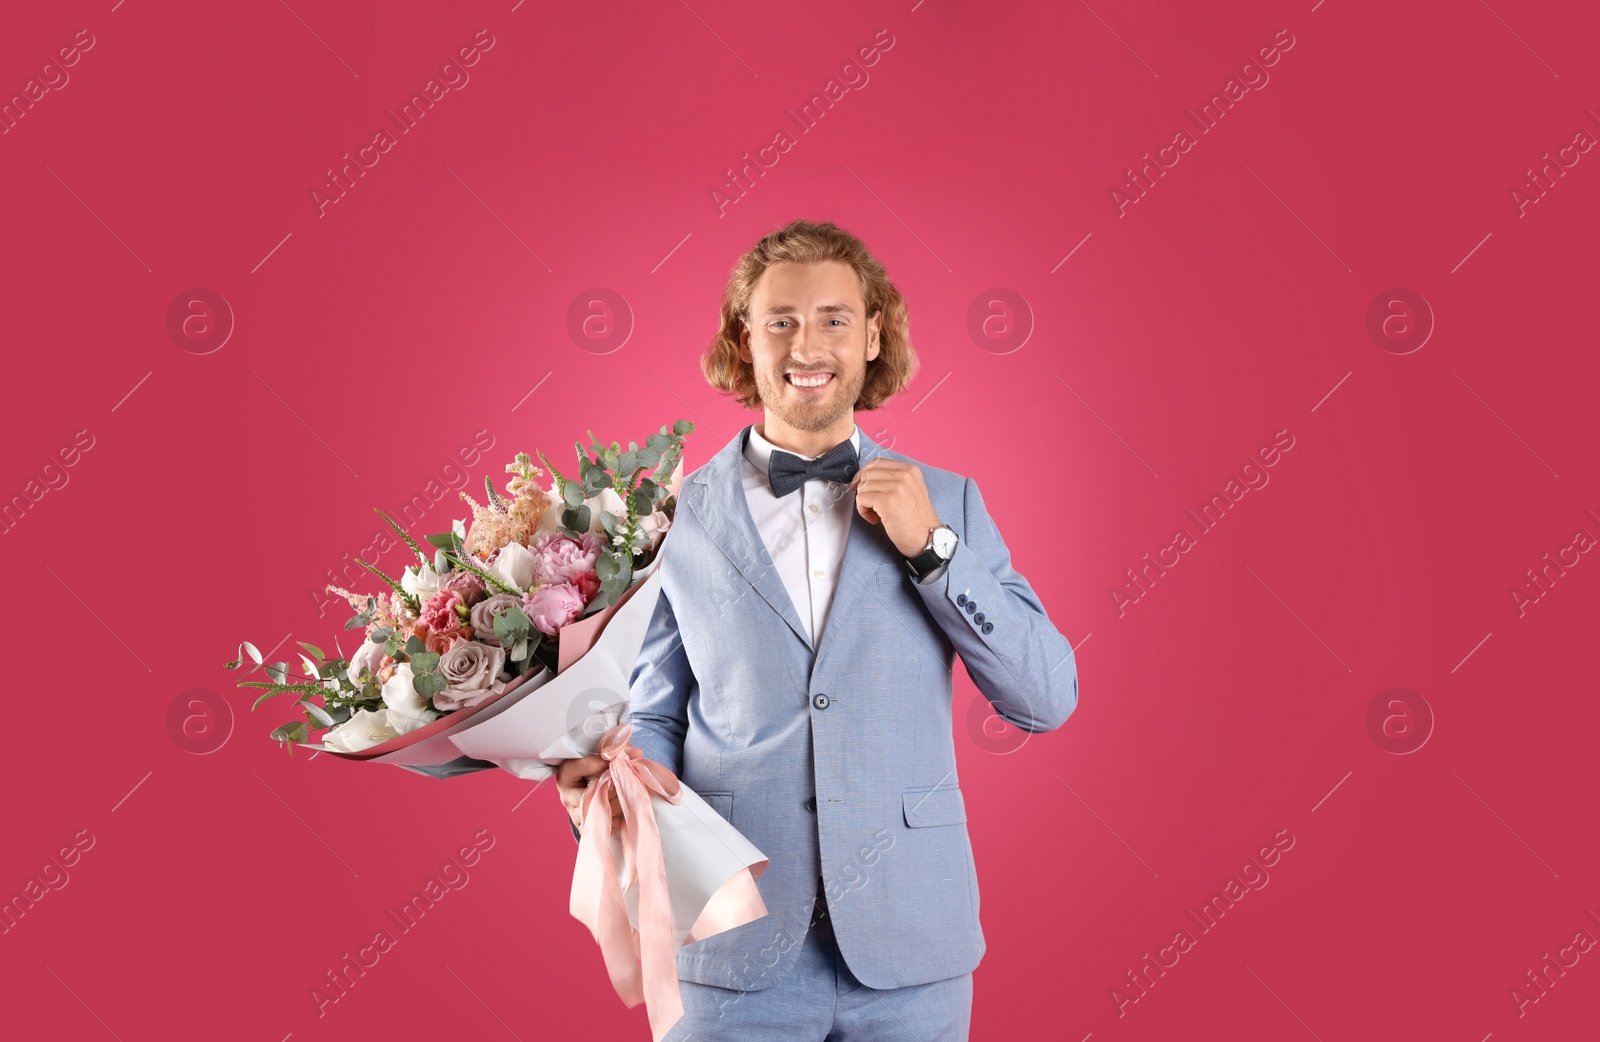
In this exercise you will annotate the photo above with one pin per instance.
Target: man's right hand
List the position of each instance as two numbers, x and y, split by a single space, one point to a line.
574 776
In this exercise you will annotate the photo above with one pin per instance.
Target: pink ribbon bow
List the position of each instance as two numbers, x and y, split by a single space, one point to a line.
643 962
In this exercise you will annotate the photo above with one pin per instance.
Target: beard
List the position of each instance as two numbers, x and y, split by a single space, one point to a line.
807 415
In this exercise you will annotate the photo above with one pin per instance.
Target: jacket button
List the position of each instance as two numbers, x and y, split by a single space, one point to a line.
971 606
821 701
978 618
811 804
961 599
988 626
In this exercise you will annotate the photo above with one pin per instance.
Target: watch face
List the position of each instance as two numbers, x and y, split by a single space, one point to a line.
944 541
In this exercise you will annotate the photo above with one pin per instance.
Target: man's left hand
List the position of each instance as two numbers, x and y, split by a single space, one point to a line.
891 493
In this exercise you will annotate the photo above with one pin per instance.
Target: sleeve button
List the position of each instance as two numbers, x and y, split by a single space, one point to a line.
961 599
988 626
978 618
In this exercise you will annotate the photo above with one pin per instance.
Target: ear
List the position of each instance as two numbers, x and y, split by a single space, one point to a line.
874 329
744 343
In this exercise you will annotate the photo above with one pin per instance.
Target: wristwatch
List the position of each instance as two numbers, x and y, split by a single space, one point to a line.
941 547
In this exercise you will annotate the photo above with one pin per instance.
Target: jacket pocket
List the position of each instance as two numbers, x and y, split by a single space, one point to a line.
926 805
721 802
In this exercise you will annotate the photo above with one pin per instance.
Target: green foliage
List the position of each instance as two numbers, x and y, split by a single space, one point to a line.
422 557
637 474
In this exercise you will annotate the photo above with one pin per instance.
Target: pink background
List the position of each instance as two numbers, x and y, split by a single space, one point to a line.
1156 349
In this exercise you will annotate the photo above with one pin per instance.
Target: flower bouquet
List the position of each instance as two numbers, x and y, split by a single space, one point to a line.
512 645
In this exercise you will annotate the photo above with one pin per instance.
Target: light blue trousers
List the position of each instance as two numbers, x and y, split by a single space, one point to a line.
820 1000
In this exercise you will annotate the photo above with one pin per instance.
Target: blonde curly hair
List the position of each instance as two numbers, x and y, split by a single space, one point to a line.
808 242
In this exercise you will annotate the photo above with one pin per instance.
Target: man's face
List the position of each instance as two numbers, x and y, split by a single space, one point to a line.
808 320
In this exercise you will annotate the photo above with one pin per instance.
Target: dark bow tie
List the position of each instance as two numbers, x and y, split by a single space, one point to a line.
787 472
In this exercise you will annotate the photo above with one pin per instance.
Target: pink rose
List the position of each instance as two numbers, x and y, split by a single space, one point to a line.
471 673
438 642
439 615
559 558
552 607
469 586
588 585
369 656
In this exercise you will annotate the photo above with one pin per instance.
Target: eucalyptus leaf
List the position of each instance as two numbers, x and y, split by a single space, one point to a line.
317 713
295 731
315 651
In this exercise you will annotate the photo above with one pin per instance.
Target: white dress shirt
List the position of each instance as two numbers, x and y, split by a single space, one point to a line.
805 532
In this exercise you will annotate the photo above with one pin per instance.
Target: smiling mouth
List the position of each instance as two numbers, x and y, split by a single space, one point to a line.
808 381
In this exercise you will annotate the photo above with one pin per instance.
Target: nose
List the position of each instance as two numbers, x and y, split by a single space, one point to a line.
805 347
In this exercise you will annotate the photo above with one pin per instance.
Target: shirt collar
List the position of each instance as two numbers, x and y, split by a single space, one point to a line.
758 450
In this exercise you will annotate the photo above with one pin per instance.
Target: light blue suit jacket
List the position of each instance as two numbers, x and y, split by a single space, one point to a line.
838 760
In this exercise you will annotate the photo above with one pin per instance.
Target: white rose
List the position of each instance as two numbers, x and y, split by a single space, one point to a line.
402 699
422 583
608 500
550 520
405 724
363 730
514 565
366 728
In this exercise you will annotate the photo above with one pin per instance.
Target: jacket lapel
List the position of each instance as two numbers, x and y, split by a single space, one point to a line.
724 513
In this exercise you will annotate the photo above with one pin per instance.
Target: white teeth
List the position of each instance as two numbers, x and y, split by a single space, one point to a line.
809 381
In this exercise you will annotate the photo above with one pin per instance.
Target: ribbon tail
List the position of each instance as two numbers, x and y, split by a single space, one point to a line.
596 902
657 950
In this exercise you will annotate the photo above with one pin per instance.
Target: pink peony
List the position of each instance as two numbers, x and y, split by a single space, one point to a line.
559 558
439 615
552 607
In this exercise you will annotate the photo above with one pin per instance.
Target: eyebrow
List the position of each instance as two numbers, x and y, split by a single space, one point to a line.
822 309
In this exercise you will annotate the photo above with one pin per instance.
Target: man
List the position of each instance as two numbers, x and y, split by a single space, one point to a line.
797 670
